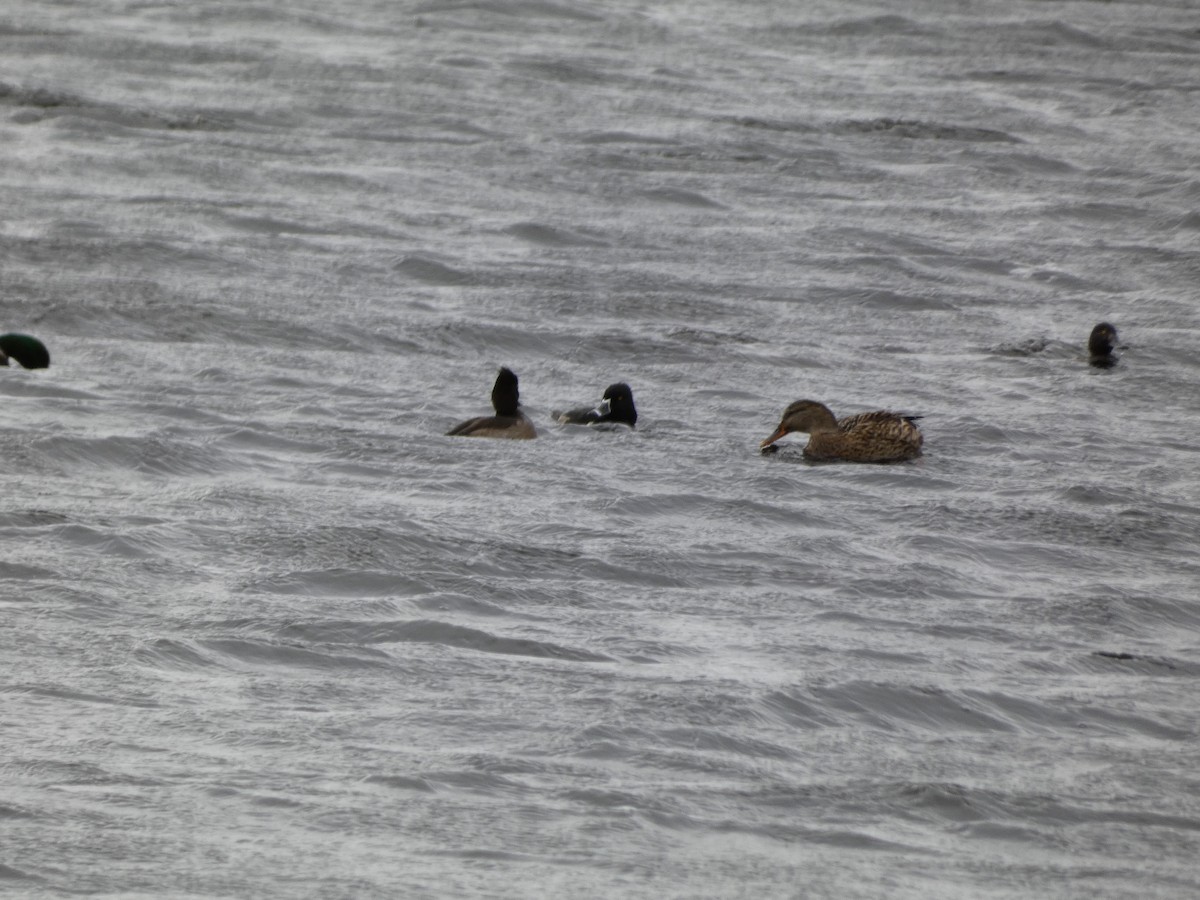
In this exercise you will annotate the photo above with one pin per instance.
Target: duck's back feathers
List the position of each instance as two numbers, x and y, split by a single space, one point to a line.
517 428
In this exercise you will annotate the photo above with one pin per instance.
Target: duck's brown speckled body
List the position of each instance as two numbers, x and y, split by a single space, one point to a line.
879 436
508 422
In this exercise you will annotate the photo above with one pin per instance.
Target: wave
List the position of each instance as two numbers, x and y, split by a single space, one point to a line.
432 631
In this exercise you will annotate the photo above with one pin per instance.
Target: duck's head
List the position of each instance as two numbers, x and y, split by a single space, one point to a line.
617 405
28 351
1102 340
505 398
807 416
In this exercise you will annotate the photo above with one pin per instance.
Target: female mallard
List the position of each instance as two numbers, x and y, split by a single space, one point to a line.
880 436
616 406
1100 346
508 422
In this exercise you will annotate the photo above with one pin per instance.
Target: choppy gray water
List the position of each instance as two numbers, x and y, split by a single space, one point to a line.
267 633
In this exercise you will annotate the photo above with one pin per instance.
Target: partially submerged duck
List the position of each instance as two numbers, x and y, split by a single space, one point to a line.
616 406
880 436
1101 343
28 351
508 422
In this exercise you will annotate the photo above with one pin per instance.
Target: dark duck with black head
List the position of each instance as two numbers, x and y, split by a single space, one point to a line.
508 422
615 408
875 437
1101 344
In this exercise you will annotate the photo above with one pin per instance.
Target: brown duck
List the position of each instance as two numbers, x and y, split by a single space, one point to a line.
508 422
879 436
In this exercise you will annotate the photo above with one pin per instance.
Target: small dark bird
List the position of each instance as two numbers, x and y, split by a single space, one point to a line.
1100 346
616 407
880 436
28 351
508 422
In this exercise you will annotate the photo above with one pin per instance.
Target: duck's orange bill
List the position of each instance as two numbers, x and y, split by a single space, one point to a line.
779 432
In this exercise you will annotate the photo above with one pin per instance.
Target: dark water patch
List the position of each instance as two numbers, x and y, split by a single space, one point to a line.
517 9
959 804
679 197
461 603
894 301
1021 712
9 873
465 62
916 130
572 72
621 137
37 97
341 550
552 236
891 707
20 572
265 439
870 26
274 226
31 518
1097 212
33 386
1047 33
797 711
71 115
1023 164
57 693
779 125
506 561
150 454
609 800
8 811
341 583
430 631
888 243
502 341
1124 662
181 656
491 784
256 654
431 271
646 652
1096 719
402 783
104 542
274 802
718 741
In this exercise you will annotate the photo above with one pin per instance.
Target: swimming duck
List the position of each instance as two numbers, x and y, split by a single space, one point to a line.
28 351
508 422
616 406
1100 346
879 436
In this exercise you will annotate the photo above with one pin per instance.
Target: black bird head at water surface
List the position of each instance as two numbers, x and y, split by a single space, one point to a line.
617 405
28 351
1101 343
505 395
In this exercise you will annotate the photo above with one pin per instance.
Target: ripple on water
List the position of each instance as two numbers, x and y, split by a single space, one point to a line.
432 631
